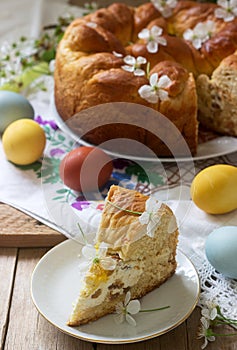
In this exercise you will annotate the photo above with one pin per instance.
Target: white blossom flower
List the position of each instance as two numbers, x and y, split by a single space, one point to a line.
150 216
155 91
126 309
52 66
200 33
91 24
153 38
210 311
97 256
117 54
12 56
133 65
205 332
165 6
227 10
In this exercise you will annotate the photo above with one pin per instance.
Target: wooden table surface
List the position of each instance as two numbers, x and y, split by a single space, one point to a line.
23 328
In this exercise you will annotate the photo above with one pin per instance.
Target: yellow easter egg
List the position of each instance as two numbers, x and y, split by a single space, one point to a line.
23 141
214 189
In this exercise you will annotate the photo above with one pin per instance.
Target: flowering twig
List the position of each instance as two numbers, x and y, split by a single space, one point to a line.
25 60
125 310
212 317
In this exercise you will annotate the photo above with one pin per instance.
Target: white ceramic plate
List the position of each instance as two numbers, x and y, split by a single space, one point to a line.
55 284
219 146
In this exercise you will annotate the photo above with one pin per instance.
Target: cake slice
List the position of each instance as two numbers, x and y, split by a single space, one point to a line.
138 248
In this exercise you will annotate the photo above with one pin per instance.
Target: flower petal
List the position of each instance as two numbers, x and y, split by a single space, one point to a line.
151 227
156 31
153 98
229 17
144 218
164 82
134 307
197 43
88 251
144 34
102 250
139 72
119 318
213 314
152 47
117 54
171 3
162 41
127 298
153 79
211 338
210 26
141 60
145 91
129 60
130 320
205 323
128 68
166 12
152 204
223 3
188 35
163 95
204 344
235 11
148 94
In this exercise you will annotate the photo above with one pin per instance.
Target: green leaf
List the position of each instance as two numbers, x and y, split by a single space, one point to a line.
156 179
61 137
63 190
27 77
48 55
144 175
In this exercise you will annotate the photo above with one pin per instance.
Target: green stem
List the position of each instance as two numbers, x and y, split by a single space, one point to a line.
224 335
158 309
83 235
227 320
127 210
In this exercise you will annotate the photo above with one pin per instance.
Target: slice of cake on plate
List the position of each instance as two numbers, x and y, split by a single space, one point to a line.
135 251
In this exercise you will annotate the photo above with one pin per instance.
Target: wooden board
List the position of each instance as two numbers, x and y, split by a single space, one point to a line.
20 230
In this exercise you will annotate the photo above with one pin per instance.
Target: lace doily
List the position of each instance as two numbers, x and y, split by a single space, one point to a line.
216 287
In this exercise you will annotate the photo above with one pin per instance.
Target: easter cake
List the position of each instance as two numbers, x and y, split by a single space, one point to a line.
137 256
218 97
149 55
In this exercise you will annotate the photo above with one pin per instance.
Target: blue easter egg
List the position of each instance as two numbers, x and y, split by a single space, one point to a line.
221 250
13 106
